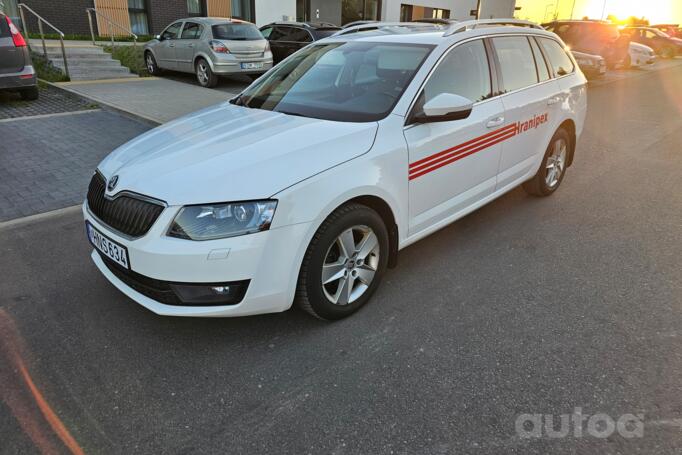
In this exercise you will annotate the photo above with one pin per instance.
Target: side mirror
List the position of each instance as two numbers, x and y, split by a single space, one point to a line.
158 37
444 108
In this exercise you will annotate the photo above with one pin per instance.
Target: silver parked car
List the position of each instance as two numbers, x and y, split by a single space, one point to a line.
209 47
16 68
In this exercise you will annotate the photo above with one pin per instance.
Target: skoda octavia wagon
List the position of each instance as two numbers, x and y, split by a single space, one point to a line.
304 187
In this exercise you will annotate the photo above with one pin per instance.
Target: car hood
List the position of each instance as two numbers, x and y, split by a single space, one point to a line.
231 153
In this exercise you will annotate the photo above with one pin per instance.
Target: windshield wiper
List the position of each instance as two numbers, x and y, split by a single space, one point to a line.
296 114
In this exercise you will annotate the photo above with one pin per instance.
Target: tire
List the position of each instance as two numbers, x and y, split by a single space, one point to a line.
205 75
350 290
29 94
152 66
668 52
546 182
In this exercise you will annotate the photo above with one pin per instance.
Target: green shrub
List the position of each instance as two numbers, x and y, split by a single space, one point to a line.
131 57
46 70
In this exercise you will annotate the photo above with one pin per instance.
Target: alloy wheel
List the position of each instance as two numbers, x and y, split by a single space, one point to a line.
350 265
556 163
202 73
150 64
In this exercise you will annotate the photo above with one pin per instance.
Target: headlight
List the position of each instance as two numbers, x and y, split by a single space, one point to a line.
217 221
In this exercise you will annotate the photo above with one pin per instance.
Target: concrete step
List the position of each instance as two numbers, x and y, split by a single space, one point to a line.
37 47
74 62
102 75
98 69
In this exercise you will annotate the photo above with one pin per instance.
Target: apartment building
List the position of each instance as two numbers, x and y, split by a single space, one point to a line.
149 17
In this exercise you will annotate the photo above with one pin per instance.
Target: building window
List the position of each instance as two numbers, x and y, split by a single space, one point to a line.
139 23
360 10
196 8
410 13
244 10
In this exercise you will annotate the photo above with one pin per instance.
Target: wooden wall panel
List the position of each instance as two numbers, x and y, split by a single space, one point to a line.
219 8
117 11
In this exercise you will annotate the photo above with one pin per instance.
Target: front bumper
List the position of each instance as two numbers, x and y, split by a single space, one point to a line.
264 260
22 79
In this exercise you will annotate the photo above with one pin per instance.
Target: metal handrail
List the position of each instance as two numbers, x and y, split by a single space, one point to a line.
42 20
458 27
110 22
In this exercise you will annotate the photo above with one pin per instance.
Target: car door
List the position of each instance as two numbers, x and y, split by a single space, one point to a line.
165 50
274 35
298 38
530 106
186 46
453 164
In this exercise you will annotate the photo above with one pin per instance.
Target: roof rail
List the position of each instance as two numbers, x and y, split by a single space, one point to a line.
470 25
384 25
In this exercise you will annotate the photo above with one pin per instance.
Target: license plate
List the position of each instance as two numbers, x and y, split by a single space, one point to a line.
252 66
114 251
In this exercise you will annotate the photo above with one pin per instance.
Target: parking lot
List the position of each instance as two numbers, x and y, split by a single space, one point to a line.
558 306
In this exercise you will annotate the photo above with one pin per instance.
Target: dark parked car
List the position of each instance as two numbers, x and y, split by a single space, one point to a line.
664 45
16 68
673 30
288 37
592 66
594 38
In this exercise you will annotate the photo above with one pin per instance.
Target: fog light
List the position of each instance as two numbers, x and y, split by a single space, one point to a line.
211 294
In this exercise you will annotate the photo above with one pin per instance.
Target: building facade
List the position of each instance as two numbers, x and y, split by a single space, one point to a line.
150 17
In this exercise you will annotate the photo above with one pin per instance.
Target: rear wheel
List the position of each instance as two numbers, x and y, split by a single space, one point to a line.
553 167
205 75
668 52
29 94
344 263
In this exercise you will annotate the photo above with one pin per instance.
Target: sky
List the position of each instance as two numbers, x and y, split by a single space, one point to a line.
657 11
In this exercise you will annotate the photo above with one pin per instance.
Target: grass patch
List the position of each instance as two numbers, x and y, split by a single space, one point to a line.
132 57
74 37
46 70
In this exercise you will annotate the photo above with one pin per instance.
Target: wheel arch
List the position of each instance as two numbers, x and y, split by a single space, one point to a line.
386 213
205 57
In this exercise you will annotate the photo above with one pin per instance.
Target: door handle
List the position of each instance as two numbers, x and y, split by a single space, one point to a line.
553 100
497 121
171 45
190 45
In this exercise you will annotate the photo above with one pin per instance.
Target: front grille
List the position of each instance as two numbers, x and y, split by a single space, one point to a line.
126 214
149 287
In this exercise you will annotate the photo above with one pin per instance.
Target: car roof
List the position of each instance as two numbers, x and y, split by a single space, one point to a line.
422 33
311 25
214 20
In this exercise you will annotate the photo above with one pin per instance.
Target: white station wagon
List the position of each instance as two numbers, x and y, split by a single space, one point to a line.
304 187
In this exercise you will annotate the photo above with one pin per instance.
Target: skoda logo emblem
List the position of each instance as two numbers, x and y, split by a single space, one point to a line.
112 183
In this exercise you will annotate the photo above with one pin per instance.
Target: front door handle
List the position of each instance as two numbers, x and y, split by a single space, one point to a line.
171 45
497 121
190 45
553 100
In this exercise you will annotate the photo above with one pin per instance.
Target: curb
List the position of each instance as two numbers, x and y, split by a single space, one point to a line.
152 122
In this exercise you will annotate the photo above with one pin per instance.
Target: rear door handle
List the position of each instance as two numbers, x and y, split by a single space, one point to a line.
497 121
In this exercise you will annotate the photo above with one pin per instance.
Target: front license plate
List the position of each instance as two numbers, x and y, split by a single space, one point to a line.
252 66
114 251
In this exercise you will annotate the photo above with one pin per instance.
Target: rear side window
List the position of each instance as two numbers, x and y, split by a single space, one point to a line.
464 71
543 71
191 31
516 62
236 32
558 58
298 35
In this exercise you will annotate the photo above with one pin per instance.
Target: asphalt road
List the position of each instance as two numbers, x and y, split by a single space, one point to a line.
537 306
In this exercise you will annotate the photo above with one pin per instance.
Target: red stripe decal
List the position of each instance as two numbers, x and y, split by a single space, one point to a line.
480 138
462 148
459 156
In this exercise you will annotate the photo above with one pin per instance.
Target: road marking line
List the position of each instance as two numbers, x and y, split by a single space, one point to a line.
58 114
40 216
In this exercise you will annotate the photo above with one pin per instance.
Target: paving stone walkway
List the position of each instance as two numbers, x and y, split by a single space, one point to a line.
51 101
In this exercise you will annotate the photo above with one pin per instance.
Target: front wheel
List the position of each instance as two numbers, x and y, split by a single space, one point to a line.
344 263
553 167
205 75
668 52
152 67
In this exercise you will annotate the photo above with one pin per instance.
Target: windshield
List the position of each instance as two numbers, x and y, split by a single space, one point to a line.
347 82
237 32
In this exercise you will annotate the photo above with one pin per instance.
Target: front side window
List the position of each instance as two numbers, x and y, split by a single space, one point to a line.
266 32
348 82
237 32
192 30
558 58
298 35
464 71
172 31
517 64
